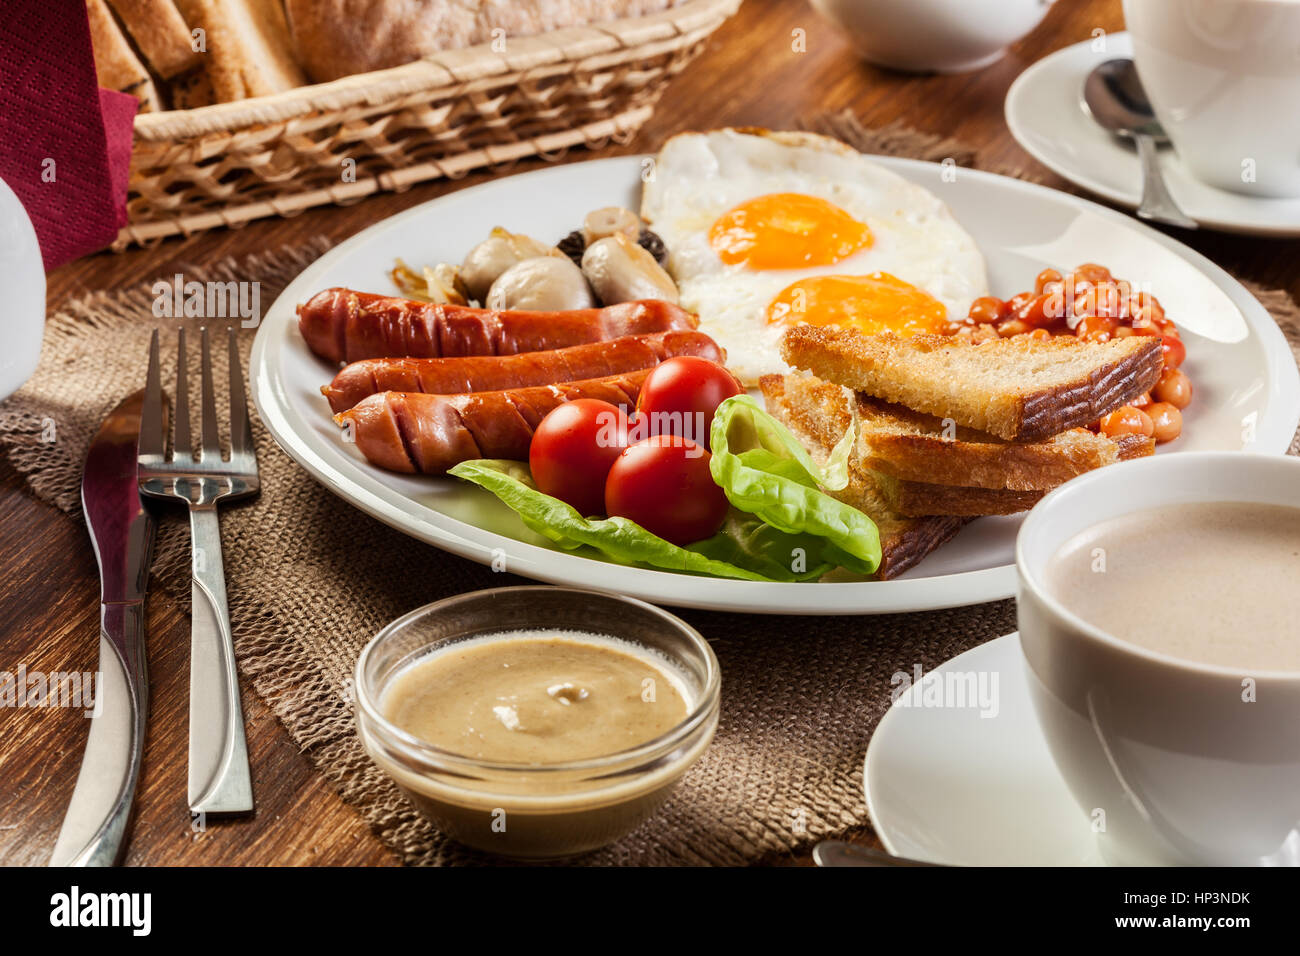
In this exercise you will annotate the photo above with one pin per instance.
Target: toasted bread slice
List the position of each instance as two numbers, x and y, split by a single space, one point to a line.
922 498
937 471
819 419
1020 389
911 446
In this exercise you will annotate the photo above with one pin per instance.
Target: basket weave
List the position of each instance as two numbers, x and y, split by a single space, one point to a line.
441 116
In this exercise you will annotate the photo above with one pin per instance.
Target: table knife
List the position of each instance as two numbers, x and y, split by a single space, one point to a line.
121 531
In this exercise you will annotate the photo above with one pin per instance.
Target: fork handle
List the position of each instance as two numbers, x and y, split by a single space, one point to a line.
219 778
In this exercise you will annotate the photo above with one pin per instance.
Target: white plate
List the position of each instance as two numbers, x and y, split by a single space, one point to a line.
1045 113
947 785
1237 358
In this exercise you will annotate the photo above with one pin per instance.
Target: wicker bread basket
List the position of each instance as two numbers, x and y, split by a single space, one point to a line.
442 116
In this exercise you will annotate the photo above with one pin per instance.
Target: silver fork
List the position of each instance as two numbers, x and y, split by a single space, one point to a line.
219 779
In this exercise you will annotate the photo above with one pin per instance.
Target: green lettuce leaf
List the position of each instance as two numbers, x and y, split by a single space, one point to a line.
781 527
745 548
765 472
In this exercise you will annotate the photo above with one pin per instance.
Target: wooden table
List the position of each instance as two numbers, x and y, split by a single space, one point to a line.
749 75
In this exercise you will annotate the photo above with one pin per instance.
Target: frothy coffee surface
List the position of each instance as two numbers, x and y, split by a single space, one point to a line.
1214 583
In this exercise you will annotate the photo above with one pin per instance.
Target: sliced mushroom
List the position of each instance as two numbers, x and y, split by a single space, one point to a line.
544 283
497 253
621 271
611 221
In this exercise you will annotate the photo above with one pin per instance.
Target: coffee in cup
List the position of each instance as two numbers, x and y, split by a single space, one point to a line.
1205 582
1161 654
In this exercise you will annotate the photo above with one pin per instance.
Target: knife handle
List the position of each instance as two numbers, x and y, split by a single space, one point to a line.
94 828
219 777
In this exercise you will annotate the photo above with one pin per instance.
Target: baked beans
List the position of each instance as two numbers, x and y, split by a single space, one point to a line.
1127 421
1092 304
1173 387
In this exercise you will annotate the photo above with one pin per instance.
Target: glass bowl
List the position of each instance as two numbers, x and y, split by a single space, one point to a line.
536 811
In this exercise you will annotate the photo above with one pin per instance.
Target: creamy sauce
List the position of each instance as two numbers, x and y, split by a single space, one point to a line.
537 697
1215 583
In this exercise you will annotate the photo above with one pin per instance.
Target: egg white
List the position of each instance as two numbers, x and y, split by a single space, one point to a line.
697 177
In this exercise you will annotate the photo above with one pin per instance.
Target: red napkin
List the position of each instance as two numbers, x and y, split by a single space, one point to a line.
65 144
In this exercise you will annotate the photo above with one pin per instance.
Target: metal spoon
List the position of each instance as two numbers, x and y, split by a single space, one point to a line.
1113 95
839 853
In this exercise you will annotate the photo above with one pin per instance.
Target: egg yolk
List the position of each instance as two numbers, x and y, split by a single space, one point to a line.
787 231
873 303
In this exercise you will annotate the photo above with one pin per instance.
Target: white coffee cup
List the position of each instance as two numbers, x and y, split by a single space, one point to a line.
1170 761
944 36
1224 79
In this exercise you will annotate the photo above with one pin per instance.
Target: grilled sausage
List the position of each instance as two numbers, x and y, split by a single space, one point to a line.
487 373
414 432
342 325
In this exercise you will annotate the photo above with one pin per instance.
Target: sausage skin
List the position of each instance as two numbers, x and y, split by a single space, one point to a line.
340 325
419 433
489 373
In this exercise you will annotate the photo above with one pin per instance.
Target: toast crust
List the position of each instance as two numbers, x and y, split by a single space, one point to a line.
908 445
1020 389
922 498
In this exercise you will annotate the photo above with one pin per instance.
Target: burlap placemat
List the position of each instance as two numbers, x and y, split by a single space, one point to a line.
311 579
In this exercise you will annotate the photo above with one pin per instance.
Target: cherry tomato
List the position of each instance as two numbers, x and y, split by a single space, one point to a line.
680 396
573 449
663 484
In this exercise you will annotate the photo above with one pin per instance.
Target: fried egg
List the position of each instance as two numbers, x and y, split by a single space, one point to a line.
769 230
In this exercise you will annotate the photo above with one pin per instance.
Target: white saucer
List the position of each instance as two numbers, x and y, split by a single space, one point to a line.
1045 114
947 785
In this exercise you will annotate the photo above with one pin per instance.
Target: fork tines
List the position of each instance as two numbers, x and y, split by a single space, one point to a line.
153 443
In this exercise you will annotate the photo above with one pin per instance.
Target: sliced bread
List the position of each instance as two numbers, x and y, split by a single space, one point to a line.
901 443
921 498
935 475
117 66
247 49
160 34
1019 389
